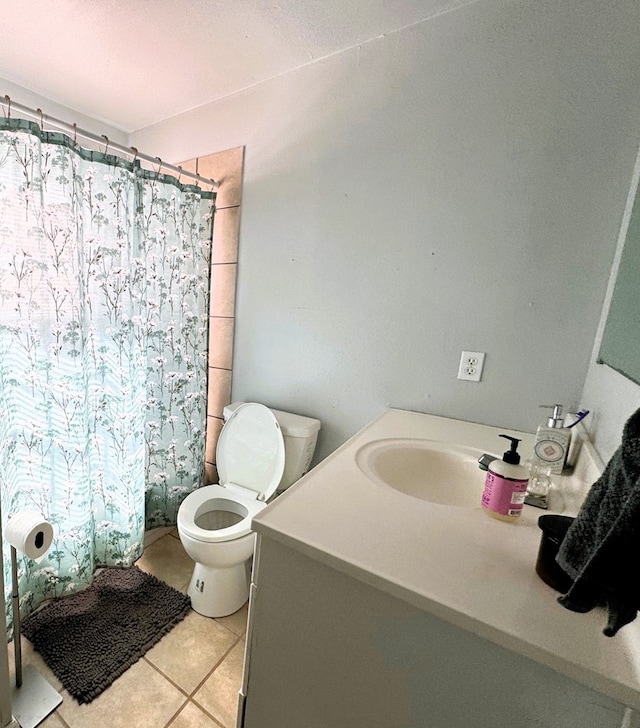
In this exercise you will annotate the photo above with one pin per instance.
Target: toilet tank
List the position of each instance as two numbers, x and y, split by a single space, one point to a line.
300 436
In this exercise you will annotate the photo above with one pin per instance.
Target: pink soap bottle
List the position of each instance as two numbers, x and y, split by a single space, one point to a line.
505 486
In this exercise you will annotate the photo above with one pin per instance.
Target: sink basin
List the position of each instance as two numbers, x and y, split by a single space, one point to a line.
426 469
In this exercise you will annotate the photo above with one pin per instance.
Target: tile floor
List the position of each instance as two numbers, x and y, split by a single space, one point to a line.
190 679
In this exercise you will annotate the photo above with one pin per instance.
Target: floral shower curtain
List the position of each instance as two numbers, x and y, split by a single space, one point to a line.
104 299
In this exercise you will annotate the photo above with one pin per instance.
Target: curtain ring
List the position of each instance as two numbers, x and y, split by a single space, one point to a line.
41 119
159 167
179 173
135 155
106 145
7 98
75 133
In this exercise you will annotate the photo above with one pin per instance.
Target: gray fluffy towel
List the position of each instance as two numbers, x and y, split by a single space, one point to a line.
601 548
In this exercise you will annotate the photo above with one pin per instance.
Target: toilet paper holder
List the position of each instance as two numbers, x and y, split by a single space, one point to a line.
33 698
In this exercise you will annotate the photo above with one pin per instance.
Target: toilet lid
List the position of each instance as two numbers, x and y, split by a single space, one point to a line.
250 450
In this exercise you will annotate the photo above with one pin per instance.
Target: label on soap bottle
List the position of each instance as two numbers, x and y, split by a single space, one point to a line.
504 496
552 451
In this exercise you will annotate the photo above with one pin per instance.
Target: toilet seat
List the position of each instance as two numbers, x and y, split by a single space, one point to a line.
211 498
250 462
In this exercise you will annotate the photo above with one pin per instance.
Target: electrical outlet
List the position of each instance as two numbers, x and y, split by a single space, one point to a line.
471 363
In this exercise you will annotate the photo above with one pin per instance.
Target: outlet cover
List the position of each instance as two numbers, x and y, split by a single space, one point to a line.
471 364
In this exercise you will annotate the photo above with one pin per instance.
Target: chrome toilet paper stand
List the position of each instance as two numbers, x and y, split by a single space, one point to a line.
33 698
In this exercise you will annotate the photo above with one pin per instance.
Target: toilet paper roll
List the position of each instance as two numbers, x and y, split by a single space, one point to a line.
29 534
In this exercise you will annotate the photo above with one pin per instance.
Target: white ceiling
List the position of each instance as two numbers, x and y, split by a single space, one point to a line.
131 63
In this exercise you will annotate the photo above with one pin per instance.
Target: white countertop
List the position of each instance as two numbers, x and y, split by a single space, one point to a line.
457 563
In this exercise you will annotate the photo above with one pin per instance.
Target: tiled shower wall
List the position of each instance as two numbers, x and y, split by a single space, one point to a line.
226 167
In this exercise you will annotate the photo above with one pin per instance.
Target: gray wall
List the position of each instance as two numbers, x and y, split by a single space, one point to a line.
456 185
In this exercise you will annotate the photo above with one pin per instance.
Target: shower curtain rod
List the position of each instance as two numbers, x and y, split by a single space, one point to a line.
73 131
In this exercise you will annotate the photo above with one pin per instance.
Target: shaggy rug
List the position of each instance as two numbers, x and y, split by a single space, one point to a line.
93 637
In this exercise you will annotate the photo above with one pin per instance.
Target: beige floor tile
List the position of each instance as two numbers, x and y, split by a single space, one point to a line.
53 721
236 622
191 717
141 697
191 650
155 535
219 694
167 560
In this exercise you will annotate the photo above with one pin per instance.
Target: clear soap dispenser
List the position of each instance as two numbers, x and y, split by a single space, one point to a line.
552 441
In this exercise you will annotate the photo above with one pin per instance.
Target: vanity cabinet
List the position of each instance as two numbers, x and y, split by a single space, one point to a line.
326 650
373 607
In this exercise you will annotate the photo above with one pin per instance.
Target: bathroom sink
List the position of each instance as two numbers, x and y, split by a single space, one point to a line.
426 469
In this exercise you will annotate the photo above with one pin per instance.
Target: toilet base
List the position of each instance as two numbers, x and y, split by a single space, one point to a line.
216 592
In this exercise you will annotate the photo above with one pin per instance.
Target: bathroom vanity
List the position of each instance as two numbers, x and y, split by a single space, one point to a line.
375 604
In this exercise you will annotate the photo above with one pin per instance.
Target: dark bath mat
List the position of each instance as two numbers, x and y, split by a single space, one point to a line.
93 637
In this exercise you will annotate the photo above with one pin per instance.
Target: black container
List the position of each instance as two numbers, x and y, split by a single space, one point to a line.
554 529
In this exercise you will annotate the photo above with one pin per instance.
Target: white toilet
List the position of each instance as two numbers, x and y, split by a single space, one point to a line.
260 452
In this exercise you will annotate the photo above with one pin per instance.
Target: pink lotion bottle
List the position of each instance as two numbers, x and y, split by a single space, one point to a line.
505 486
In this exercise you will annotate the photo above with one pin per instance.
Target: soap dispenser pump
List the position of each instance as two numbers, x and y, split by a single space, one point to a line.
552 441
505 486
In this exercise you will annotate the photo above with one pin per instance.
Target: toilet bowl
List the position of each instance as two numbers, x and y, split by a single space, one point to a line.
214 522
